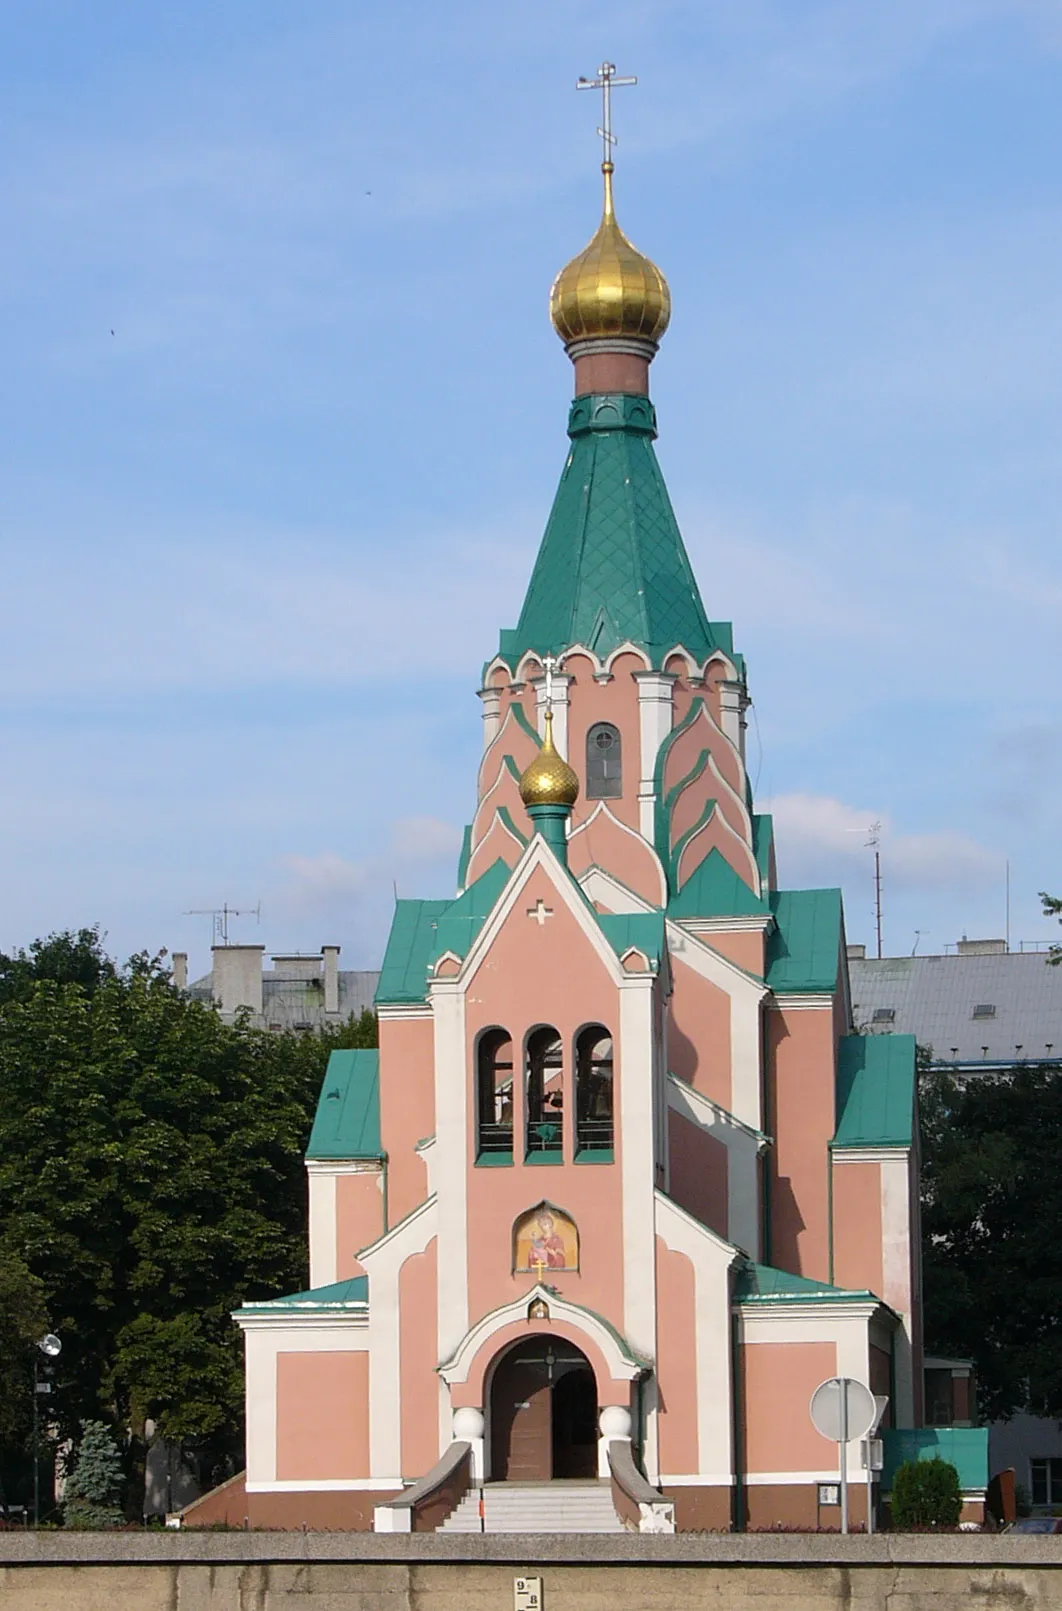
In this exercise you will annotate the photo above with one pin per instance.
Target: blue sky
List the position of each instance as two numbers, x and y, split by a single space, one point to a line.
283 416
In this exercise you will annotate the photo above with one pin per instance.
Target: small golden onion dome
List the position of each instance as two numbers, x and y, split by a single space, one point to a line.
610 289
549 780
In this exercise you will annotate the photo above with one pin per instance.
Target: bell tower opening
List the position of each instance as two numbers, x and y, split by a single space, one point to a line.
543 1413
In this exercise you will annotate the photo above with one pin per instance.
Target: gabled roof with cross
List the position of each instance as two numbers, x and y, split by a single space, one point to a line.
424 931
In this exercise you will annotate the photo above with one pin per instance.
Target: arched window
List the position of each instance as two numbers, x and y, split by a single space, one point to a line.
545 1092
494 1092
593 1089
604 770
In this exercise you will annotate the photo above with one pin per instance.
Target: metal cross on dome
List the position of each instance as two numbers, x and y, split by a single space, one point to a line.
606 81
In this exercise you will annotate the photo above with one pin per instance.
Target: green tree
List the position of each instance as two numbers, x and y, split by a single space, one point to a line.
23 1320
95 1482
1052 908
151 1179
992 1194
65 958
926 1493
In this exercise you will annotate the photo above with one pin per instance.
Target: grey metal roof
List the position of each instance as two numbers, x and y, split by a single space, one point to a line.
293 1002
934 997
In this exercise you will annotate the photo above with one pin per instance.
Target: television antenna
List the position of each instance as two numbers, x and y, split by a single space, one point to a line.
219 918
874 843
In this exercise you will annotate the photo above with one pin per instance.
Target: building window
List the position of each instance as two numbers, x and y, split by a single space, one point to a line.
494 1093
604 771
1046 1481
593 1089
884 1015
984 1009
545 1094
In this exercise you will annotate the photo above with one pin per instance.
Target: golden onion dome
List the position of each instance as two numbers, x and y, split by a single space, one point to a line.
549 780
610 289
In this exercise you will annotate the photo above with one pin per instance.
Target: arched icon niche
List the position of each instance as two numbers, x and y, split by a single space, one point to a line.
545 1239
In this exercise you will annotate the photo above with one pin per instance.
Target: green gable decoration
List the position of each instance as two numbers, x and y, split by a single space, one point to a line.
612 567
875 1091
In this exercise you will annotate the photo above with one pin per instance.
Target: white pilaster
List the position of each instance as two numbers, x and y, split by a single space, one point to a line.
324 1255
637 1100
491 698
655 712
450 1163
896 1260
734 702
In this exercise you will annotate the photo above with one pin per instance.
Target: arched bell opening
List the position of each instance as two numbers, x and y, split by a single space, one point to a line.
543 1412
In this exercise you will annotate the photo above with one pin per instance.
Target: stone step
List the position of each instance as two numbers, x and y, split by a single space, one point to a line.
541 1508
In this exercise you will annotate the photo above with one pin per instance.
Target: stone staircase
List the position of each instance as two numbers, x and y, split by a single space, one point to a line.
537 1507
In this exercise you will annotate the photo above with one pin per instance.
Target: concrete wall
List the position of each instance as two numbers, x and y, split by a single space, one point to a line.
345 1572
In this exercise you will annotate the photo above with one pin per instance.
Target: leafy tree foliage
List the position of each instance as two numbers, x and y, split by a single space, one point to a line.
23 1319
151 1179
95 1482
66 958
926 1493
992 1197
1052 908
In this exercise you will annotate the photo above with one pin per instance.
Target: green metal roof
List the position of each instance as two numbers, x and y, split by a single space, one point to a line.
803 952
347 1122
404 972
642 929
423 930
612 566
965 1447
714 889
340 1295
875 1091
458 925
760 1283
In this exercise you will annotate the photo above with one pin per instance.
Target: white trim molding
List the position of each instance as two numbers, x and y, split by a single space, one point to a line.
711 1258
624 1365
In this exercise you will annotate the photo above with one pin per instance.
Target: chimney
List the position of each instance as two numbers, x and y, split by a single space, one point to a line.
981 948
180 970
857 953
331 977
237 977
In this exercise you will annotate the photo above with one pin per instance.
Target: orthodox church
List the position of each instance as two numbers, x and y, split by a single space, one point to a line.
622 1186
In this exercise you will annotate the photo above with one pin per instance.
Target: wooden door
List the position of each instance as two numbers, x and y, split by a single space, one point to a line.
521 1421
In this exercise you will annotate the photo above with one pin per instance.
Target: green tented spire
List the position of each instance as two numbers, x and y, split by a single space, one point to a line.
612 567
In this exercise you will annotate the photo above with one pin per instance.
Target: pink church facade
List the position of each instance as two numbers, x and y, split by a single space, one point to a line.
622 1185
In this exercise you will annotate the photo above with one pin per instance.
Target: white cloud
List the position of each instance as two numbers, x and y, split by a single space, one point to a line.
325 880
420 839
818 836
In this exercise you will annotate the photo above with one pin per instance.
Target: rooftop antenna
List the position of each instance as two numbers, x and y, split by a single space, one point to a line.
918 935
606 81
1008 905
219 917
874 843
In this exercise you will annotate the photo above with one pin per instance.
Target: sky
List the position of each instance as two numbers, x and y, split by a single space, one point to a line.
283 415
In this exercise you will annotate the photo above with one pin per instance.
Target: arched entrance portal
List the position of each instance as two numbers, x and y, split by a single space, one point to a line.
543 1413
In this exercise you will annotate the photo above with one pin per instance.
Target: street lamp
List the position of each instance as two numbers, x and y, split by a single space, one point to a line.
50 1346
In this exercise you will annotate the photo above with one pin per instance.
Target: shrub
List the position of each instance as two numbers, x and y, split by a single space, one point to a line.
94 1486
926 1493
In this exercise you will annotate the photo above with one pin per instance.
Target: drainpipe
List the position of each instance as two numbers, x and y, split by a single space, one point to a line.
737 1503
